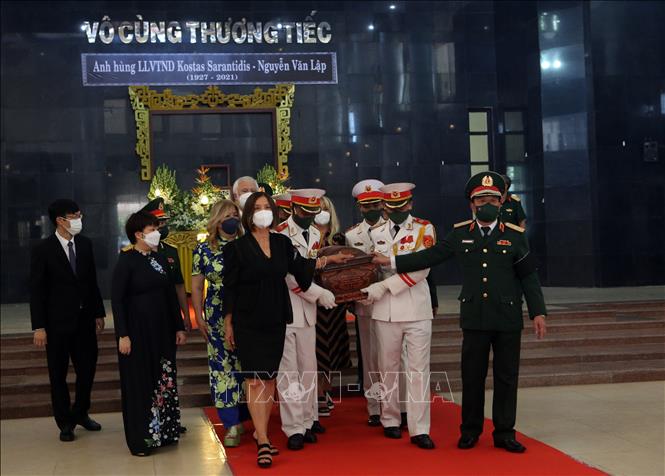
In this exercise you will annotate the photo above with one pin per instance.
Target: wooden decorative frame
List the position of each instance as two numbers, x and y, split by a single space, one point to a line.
277 100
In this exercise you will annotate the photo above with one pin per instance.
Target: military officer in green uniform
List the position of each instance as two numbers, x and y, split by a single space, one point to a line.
156 207
497 270
511 208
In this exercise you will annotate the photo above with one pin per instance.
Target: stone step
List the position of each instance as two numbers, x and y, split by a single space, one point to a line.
439 362
197 395
27 364
18 348
603 313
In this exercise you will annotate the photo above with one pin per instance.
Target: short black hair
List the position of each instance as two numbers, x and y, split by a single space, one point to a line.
507 180
248 211
138 222
62 207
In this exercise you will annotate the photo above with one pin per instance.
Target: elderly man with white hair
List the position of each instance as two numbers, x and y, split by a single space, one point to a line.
243 187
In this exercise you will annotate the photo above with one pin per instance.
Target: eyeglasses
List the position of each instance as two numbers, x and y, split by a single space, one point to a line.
73 216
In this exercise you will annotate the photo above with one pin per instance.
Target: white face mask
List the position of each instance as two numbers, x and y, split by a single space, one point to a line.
262 218
152 238
242 199
322 218
75 226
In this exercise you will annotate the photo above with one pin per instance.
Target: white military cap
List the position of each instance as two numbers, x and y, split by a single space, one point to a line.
368 191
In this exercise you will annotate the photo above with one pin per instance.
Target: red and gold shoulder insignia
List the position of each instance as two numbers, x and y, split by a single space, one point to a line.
421 221
515 197
428 241
282 226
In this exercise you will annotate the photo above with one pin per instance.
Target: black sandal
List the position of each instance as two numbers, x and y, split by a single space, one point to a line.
273 450
263 457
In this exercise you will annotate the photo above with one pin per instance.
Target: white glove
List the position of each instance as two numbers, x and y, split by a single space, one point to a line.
375 291
327 299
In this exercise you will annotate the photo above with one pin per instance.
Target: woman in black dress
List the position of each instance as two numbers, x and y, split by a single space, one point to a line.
257 306
148 326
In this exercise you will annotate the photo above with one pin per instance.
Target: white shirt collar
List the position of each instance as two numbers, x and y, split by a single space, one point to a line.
492 225
64 242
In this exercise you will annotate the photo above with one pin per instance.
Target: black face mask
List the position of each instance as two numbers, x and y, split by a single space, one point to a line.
398 217
303 222
487 213
230 226
163 232
372 216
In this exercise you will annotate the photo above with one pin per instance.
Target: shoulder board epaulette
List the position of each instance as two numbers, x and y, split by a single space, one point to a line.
462 223
421 221
515 197
282 226
514 227
127 248
352 227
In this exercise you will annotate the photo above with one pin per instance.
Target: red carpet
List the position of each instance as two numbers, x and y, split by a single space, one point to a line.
350 447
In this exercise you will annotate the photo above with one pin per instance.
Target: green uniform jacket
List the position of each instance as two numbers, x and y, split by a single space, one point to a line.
171 254
497 272
512 211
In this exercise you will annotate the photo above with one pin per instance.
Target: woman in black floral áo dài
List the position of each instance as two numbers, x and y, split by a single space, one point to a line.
148 326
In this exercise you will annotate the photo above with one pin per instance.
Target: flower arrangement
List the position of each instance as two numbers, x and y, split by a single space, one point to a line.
164 185
277 181
188 209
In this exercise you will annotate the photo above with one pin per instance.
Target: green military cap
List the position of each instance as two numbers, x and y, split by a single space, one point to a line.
484 184
156 208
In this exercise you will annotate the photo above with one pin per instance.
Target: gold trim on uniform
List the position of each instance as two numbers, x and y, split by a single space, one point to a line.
462 223
514 227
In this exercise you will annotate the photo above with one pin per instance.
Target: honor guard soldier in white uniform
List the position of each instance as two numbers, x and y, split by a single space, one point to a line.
402 313
369 201
297 380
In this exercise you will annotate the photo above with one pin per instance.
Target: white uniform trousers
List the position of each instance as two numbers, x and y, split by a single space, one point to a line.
296 380
404 365
370 360
417 335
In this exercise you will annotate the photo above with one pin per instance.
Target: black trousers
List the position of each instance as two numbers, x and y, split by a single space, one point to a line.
475 359
81 346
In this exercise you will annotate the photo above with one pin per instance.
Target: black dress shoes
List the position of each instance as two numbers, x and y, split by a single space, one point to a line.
511 445
183 429
296 442
67 434
374 420
423 441
404 423
466 442
318 427
310 437
89 424
392 432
